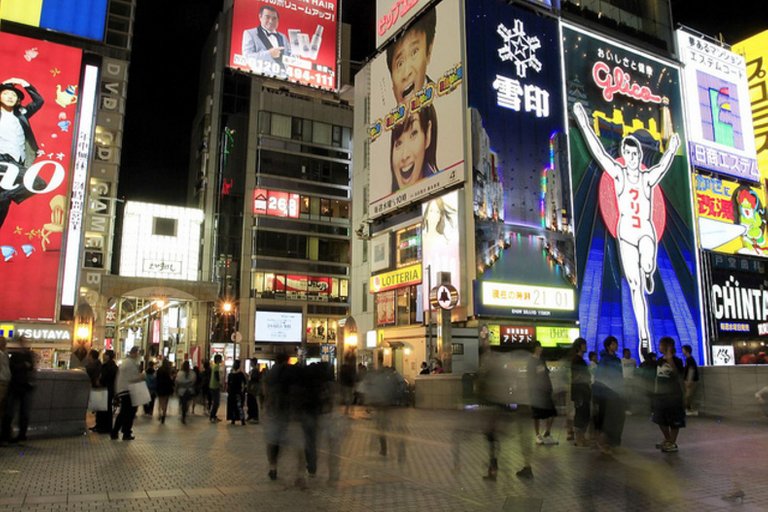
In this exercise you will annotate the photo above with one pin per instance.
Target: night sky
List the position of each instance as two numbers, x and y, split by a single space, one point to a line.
164 75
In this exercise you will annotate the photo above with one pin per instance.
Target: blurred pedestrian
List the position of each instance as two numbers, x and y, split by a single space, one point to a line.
198 391
383 389
540 389
214 386
581 391
424 368
254 389
668 400
5 375
608 390
277 384
107 380
691 380
93 367
185 388
205 386
150 377
164 388
22 367
128 373
347 380
236 382
628 367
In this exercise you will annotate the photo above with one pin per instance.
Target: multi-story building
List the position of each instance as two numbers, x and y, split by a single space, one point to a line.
272 150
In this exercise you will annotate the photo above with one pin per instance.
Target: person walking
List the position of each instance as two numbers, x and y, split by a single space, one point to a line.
150 377
128 373
236 382
205 387
691 380
197 396
253 389
185 388
609 395
628 369
540 389
22 368
668 397
276 385
5 374
164 388
107 380
581 391
347 380
215 385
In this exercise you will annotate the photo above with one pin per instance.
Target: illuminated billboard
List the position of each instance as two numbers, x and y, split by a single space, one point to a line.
416 146
441 241
521 200
755 51
278 327
293 41
160 241
391 15
39 101
720 135
635 242
275 203
82 18
731 216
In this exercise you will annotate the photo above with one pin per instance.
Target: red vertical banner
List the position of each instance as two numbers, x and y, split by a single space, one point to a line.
40 90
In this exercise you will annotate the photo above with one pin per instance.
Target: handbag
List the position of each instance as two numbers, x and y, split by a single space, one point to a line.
98 400
139 393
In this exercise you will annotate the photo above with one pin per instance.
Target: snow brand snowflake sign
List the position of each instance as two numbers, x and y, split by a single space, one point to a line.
519 48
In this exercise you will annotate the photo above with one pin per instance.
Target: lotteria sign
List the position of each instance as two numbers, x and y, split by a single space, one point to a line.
399 278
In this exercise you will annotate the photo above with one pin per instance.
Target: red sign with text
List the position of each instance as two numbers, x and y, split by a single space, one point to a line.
40 91
275 203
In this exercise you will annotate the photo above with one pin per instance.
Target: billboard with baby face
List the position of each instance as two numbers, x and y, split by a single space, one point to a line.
293 41
635 242
416 114
38 107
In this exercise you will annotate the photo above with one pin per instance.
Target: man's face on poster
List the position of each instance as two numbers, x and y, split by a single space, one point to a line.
409 64
409 151
631 156
269 20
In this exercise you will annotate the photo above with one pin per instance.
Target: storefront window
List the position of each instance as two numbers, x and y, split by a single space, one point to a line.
408 248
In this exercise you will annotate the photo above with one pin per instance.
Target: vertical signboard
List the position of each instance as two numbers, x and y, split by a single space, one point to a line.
755 51
632 196
293 41
416 144
391 15
441 242
731 216
522 207
39 98
720 135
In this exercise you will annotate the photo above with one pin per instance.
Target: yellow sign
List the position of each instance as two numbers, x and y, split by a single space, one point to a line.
755 51
399 278
556 336
6 330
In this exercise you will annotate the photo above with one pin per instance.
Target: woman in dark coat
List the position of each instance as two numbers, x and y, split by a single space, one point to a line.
107 380
164 387
236 382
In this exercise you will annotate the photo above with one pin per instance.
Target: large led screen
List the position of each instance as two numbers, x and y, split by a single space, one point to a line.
293 41
635 243
83 18
38 107
755 51
441 242
720 135
521 204
416 143
731 216
278 327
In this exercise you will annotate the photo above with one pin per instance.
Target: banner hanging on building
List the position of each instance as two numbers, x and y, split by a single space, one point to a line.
755 51
39 101
635 243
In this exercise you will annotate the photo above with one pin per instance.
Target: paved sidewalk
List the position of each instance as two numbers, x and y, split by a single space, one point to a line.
201 466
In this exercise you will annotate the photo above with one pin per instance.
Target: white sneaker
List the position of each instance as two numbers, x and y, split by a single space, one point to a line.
550 440
539 439
691 412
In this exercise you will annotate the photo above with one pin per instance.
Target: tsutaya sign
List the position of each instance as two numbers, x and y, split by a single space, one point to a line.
399 278
36 332
393 14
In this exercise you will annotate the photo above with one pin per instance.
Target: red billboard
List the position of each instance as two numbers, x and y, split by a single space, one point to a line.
39 88
275 203
289 40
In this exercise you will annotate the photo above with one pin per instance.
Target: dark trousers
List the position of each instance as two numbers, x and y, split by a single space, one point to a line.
124 420
184 400
17 397
309 427
253 407
149 407
215 401
610 416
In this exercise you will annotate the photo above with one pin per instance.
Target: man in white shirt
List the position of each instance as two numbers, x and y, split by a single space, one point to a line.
264 47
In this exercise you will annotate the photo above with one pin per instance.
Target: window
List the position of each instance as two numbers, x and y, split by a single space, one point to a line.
264 122
336 136
163 226
365 298
281 126
365 251
365 200
297 128
321 133
408 245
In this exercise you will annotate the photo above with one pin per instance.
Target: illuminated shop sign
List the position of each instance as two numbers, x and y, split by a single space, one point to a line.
275 203
520 298
36 171
36 332
739 296
731 216
441 241
556 336
399 278
160 241
635 242
721 137
278 327
755 50
83 18
293 41
505 335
